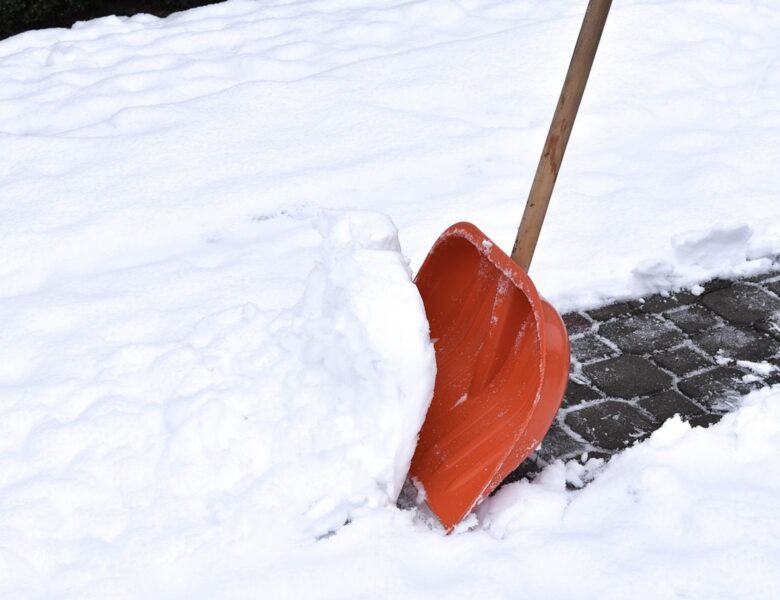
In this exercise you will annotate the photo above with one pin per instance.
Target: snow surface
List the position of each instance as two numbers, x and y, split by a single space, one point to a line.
203 374
154 411
430 111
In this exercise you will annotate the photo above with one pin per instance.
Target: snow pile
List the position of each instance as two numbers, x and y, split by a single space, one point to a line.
128 444
689 513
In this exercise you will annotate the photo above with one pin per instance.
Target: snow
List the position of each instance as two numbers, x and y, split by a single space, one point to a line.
715 246
147 415
431 112
212 355
760 368
689 513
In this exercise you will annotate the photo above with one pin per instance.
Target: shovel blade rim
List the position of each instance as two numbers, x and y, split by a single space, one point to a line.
502 359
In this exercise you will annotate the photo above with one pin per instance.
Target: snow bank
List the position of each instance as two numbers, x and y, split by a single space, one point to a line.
132 441
689 513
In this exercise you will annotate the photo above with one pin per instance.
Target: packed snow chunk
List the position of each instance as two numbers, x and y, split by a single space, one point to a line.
759 368
362 354
342 381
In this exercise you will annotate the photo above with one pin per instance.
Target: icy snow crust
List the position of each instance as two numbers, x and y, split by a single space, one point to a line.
203 375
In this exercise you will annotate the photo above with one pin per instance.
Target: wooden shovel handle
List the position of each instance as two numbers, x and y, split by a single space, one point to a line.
560 129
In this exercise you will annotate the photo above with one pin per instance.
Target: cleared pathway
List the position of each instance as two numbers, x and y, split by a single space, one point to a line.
639 362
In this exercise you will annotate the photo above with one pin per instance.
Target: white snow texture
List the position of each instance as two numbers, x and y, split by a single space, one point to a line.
141 435
212 354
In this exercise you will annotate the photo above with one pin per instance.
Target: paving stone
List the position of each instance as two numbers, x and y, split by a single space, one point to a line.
558 444
577 393
627 376
686 297
640 334
590 347
713 384
605 313
736 343
682 360
665 405
659 302
715 284
576 323
693 318
527 469
705 420
742 303
610 425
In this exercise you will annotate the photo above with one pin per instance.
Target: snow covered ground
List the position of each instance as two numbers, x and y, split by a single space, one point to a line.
203 375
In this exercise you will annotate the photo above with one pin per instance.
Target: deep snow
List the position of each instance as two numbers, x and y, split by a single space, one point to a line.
203 375
429 111
154 411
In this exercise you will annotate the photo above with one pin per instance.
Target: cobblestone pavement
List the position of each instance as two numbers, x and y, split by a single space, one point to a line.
639 362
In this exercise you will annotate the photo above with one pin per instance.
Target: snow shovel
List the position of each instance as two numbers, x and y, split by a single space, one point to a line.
502 352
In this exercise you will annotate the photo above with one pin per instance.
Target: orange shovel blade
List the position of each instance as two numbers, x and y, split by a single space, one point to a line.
502 360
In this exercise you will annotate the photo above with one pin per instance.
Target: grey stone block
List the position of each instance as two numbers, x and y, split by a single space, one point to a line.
627 376
559 444
665 405
693 318
682 360
577 393
742 303
714 385
589 347
527 470
610 425
605 313
641 334
705 420
737 343
576 323
715 284
660 303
